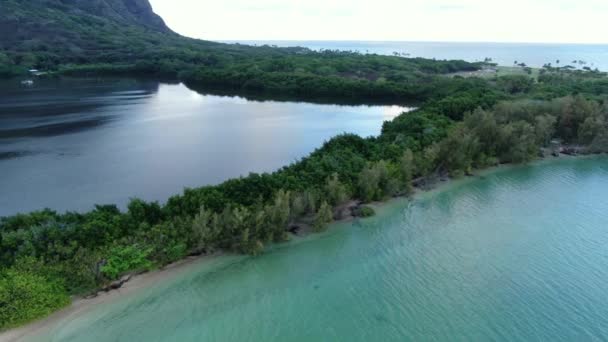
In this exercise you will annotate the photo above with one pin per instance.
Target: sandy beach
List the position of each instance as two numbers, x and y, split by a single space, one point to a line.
81 305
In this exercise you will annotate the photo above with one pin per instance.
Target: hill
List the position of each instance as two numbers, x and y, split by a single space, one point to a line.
127 37
47 33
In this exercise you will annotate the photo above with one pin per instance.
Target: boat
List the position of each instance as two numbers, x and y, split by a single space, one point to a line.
27 82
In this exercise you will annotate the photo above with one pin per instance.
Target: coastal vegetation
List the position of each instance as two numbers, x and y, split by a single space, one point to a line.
462 124
50 256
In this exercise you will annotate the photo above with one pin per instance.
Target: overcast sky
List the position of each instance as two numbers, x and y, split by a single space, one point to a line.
575 21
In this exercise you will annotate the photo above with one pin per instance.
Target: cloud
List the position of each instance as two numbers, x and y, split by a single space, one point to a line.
431 20
450 7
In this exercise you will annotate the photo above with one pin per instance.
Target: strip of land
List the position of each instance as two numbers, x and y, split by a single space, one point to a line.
138 282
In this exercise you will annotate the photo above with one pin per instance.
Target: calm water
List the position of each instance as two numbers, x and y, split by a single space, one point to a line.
71 144
535 55
519 255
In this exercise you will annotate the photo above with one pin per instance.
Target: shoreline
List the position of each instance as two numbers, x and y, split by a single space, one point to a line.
81 305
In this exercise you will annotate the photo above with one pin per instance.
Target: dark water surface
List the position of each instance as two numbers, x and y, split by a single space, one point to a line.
71 144
518 255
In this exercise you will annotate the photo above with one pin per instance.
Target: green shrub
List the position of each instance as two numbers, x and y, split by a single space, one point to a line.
366 211
125 258
25 296
324 217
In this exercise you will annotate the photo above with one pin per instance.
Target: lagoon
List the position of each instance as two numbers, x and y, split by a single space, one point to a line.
72 143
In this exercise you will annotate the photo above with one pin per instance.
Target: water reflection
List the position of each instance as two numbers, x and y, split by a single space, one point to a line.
57 107
71 144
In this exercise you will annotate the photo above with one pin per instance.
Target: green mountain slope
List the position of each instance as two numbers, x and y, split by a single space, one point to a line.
127 37
45 33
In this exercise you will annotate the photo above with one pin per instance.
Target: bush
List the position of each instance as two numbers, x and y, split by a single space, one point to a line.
335 191
324 217
125 258
375 183
25 296
366 211
600 143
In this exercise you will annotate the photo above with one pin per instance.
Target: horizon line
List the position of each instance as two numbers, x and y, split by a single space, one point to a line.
404 41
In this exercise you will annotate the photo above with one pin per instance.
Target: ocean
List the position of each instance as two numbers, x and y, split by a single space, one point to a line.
504 54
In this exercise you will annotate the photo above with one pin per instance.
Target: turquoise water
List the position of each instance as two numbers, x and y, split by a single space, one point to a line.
519 254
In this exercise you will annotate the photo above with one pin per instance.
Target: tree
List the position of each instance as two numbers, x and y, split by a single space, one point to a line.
258 224
141 211
545 128
406 170
310 199
514 84
203 232
323 218
279 213
426 162
573 111
484 126
590 128
335 192
459 150
374 182
599 143
520 140
298 206
367 185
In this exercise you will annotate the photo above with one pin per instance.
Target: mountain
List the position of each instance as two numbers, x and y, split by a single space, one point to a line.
126 37
129 12
33 19
45 33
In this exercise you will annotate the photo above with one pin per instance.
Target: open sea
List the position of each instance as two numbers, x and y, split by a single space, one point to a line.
504 54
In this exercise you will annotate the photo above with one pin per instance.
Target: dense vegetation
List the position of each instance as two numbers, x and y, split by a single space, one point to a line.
463 124
47 255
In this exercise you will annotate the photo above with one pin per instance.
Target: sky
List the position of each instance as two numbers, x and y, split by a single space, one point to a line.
549 21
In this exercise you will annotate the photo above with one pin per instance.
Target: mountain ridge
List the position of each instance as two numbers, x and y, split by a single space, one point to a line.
45 33
138 12
129 12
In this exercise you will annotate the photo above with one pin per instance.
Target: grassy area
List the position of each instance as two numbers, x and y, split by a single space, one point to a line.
490 72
